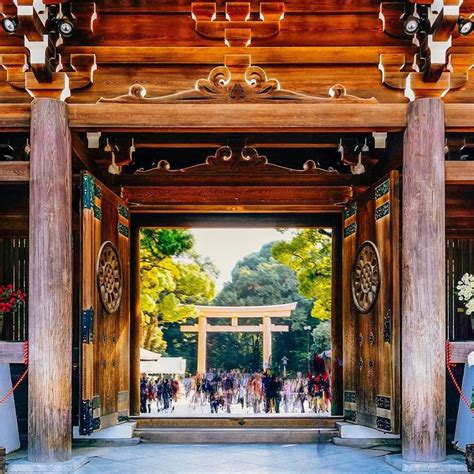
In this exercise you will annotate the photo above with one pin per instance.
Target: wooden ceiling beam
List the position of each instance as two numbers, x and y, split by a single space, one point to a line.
214 54
221 178
460 173
241 220
237 198
14 171
246 117
183 6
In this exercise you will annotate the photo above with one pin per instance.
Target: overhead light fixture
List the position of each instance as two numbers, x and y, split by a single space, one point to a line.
10 25
412 25
65 27
464 26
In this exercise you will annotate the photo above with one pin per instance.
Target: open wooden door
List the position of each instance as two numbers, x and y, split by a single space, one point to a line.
371 307
105 307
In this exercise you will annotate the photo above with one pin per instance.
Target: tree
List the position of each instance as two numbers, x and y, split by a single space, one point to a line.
173 279
309 255
321 337
258 279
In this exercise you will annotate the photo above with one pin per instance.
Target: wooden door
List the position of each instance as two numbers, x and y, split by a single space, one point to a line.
371 307
105 300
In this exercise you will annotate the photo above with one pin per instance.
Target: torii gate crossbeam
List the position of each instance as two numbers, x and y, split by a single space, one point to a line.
234 313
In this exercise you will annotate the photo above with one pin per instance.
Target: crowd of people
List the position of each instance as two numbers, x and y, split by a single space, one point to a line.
158 394
236 390
260 392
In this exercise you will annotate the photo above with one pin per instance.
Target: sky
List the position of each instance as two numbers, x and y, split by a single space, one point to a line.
225 247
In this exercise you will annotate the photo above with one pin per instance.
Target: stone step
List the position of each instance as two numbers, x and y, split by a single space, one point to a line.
224 421
235 435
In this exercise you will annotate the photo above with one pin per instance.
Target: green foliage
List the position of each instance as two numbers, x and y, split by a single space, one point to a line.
309 255
173 279
321 337
258 279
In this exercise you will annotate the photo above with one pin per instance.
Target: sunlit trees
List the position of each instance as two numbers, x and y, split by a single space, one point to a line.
309 255
173 279
258 279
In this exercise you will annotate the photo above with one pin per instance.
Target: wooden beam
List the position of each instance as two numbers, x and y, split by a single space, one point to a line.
460 173
14 171
251 117
11 353
236 329
223 178
236 198
460 351
459 117
15 116
240 220
243 117
214 55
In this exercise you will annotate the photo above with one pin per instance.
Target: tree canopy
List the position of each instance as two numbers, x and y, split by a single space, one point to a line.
173 279
309 255
258 279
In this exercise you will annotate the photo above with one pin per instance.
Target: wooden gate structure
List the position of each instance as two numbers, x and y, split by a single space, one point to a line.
371 307
324 114
105 310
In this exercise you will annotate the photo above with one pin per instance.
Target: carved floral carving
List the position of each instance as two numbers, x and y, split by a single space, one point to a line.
227 159
237 81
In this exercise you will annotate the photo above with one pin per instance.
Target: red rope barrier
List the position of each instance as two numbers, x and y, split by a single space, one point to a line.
25 361
449 365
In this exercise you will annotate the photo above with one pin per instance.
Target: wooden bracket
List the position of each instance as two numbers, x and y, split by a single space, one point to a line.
397 75
238 25
78 75
357 153
41 41
433 40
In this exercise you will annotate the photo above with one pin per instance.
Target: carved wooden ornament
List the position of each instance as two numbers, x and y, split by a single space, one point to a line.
366 277
109 277
233 160
237 81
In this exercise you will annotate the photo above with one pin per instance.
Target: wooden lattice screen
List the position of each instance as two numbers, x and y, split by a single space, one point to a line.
14 269
459 260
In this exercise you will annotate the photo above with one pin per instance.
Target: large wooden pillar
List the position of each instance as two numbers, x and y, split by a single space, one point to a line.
50 284
135 323
202 344
423 284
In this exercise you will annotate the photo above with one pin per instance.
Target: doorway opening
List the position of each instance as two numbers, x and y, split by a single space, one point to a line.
236 315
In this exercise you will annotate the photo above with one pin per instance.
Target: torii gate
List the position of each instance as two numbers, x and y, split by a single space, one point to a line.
234 313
